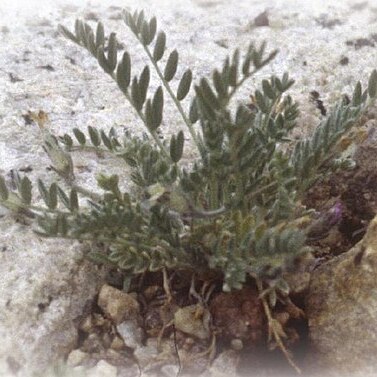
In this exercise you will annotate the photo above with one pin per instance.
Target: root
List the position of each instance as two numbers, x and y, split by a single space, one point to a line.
205 291
275 329
166 285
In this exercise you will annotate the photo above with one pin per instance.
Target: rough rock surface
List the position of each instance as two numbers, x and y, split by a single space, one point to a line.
45 287
326 45
342 310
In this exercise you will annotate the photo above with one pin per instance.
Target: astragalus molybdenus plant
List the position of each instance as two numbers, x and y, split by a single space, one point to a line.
235 213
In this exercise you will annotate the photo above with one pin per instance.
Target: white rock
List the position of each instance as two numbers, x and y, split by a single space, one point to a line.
76 357
131 333
43 290
225 365
103 369
145 354
170 370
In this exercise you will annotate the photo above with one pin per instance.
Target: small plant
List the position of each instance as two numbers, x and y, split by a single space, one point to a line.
236 210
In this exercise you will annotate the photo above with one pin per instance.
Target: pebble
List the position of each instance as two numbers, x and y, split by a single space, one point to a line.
169 370
193 320
103 369
117 344
131 333
76 357
236 344
118 305
225 365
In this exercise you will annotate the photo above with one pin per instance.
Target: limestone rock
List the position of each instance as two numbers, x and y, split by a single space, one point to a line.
342 309
44 290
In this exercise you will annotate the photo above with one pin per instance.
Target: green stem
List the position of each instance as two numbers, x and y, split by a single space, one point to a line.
45 209
141 116
198 142
102 239
239 84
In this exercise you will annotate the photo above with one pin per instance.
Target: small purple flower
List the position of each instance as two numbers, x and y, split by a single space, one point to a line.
334 215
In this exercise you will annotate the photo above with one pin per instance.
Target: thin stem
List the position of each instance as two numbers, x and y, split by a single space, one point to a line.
90 148
141 116
200 214
44 209
108 240
197 140
30 210
239 84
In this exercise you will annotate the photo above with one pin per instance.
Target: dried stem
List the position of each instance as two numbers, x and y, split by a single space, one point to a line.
272 328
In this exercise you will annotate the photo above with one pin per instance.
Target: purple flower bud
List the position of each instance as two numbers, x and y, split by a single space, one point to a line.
334 215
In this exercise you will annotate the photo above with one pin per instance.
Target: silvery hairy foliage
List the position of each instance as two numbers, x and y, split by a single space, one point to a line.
236 211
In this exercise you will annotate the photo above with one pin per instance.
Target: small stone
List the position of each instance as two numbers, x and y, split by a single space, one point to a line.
131 333
151 292
144 355
344 61
170 370
92 344
103 369
130 371
225 365
98 320
107 340
87 324
76 357
188 343
193 320
236 344
117 344
78 371
118 305
262 19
